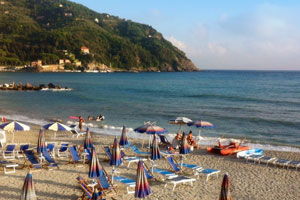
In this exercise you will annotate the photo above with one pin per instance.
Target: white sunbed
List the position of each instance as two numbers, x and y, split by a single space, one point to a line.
8 165
266 159
281 162
209 172
180 179
254 158
294 163
250 152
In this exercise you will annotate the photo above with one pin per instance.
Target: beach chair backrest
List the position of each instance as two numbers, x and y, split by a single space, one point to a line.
102 181
47 156
173 164
87 190
63 147
163 139
51 146
30 156
108 153
10 147
24 147
74 153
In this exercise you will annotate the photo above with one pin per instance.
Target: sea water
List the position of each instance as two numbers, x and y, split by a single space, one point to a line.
260 106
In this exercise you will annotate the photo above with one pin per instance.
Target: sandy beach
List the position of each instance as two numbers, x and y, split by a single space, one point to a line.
248 181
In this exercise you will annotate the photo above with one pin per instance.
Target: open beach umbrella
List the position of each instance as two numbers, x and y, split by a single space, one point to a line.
150 129
225 189
123 139
116 159
88 139
201 124
14 126
41 146
142 187
56 126
180 121
184 148
95 168
28 192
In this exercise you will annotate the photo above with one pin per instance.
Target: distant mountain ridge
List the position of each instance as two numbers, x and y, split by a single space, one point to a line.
50 30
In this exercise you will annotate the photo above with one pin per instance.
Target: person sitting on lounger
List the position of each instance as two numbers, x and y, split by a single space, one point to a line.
176 141
191 141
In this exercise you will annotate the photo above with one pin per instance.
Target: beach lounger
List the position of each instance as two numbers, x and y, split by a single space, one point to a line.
105 184
49 159
293 163
254 158
76 133
266 159
32 159
74 155
63 150
8 167
180 179
195 168
164 140
131 159
130 183
209 172
165 173
87 191
137 151
281 162
23 147
9 152
51 148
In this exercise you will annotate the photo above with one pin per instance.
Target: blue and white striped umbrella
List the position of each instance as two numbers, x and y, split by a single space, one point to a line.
14 126
56 126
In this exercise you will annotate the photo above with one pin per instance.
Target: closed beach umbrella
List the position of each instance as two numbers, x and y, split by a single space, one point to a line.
41 146
56 126
28 192
14 126
116 159
95 168
155 153
184 148
123 139
180 121
142 187
225 189
201 124
88 139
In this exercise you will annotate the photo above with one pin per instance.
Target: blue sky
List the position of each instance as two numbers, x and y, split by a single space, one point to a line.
220 34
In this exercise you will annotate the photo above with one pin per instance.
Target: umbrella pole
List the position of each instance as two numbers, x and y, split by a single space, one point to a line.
13 136
144 140
112 174
55 134
181 161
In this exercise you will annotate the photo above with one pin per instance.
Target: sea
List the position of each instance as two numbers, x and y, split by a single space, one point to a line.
261 108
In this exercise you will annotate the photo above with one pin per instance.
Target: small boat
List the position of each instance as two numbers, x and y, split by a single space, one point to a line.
232 148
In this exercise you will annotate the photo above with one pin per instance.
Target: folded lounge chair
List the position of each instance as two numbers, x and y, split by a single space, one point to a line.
8 165
137 151
130 183
9 152
32 159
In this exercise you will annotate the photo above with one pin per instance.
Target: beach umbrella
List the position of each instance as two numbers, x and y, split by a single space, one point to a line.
150 129
180 121
41 146
95 168
56 126
14 126
225 189
116 159
184 148
123 139
142 187
28 192
201 124
155 153
88 139
142 129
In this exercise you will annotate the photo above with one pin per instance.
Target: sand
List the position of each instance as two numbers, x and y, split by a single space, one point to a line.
248 181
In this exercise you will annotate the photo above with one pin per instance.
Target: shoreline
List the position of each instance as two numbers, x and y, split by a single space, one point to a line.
110 130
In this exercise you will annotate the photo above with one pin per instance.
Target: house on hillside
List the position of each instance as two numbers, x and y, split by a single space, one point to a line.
36 63
64 61
85 50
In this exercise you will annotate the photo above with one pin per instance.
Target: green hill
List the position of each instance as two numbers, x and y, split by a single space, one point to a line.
54 29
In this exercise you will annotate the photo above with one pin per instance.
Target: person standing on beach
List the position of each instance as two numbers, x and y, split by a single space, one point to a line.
81 121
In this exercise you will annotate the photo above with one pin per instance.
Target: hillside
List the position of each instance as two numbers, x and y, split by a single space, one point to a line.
50 30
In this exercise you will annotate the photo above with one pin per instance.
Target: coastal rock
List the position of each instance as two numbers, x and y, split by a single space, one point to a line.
41 86
51 86
28 86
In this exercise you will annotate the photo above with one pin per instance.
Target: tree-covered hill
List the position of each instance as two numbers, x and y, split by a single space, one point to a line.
46 29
